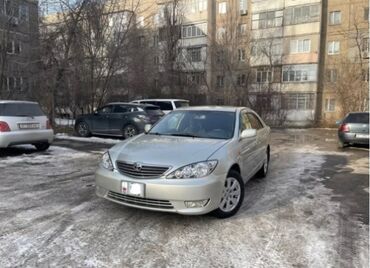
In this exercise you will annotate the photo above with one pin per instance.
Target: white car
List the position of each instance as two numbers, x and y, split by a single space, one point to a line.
166 105
23 122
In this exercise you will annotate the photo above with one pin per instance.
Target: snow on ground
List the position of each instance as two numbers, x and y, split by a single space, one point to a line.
50 216
64 122
65 136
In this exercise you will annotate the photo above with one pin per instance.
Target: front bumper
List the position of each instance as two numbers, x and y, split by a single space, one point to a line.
26 137
353 138
168 195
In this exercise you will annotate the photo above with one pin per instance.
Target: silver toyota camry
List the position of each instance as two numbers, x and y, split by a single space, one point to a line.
194 161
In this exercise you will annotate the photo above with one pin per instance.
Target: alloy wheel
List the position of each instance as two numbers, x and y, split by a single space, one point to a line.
230 195
129 131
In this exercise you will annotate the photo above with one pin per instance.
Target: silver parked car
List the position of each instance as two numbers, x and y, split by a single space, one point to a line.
193 161
23 122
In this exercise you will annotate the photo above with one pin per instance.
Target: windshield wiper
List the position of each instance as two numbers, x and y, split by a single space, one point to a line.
184 135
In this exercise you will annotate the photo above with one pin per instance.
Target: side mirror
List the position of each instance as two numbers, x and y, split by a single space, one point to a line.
147 127
248 133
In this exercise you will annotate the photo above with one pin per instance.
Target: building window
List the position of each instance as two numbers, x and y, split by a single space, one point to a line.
335 17
23 13
14 83
196 6
241 80
220 56
333 47
14 47
220 81
300 73
366 13
195 54
302 14
155 40
267 19
156 60
243 29
241 54
243 6
194 30
195 78
300 101
300 46
332 75
365 48
222 7
329 105
264 75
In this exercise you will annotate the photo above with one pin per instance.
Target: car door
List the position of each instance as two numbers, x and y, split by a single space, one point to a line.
118 117
100 120
247 148
260 138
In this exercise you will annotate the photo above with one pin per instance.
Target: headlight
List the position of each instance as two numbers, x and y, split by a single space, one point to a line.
106 162
195 170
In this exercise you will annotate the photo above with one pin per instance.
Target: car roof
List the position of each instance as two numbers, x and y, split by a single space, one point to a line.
213 108
17 101
132 104
162 100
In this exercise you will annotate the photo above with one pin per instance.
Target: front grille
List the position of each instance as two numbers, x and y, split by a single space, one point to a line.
145 171
139 201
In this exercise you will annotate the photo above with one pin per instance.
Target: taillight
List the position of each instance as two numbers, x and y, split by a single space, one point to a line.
48 125
344 128
4 127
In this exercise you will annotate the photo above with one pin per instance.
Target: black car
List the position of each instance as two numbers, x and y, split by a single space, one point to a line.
354 129
118 119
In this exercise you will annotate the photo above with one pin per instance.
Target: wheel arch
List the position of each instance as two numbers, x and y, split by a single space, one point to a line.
235 167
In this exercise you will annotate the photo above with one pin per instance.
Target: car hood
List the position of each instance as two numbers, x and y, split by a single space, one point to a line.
165 150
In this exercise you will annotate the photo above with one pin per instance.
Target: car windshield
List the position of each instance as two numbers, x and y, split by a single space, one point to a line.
20 109
197 124
153 110
180 104
359 118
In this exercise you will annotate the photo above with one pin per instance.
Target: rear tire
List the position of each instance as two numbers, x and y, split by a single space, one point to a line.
42 146
129 131
227 207
83 130
342 145
262 173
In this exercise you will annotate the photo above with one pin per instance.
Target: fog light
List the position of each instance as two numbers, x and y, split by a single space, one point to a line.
196 204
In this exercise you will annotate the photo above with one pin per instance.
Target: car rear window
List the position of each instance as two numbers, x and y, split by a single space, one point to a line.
180 104
20 109
360 118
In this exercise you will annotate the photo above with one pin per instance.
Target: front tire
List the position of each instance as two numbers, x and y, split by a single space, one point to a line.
232 196
83 130
42 146
129 131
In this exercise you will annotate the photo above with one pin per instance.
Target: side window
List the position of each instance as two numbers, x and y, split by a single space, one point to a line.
105 110
165 105
120 109
244 122
255 122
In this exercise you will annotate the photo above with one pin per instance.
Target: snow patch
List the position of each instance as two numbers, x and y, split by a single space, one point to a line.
64 136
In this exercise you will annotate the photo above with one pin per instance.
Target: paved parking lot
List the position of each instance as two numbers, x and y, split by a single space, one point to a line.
312 210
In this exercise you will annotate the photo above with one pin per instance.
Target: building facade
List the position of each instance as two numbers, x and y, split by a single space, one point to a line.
19 51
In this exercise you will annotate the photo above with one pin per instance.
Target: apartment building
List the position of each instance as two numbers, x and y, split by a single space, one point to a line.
285 56
19 48
345 59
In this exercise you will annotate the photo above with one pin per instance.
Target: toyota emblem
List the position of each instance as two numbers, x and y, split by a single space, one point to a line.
137 166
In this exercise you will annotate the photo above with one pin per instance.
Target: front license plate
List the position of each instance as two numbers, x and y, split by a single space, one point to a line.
133 188
29 125
362 136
